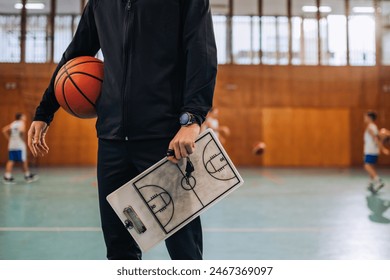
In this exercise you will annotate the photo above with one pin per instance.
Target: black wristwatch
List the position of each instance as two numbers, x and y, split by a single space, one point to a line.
187 119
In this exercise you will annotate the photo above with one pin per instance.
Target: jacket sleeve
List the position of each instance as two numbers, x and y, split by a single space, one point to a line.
85 42
200 56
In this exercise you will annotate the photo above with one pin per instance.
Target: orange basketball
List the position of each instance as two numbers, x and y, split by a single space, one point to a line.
258 148
78 85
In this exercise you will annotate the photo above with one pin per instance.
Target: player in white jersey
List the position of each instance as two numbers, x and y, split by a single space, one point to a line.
15 132
372 149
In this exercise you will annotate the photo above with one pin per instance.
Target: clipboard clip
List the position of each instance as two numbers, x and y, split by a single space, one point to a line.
133 221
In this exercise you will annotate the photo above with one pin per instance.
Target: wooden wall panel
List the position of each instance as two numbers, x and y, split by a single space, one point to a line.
306 137
384 87
238 89
338 87
305 86
278 136
276 86
334 137
246 129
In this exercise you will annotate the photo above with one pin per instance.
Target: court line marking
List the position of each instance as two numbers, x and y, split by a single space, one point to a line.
227 230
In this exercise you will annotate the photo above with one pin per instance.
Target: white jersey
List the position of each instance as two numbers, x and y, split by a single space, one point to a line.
370 146
16 142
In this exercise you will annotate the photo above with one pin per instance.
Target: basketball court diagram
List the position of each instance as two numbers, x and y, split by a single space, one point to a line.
164 198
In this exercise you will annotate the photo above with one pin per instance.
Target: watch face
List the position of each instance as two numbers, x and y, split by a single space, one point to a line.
184 119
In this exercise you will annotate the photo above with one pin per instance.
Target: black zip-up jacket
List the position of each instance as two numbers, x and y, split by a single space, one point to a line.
159 61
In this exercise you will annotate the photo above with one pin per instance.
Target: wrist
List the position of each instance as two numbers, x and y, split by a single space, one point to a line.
194 126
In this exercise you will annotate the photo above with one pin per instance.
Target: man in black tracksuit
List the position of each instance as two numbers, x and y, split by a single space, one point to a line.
159 66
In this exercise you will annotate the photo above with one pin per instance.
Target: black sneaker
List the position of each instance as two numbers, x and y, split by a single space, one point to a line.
8 181
31 178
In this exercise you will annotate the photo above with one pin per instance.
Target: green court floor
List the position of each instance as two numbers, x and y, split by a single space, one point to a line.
278 214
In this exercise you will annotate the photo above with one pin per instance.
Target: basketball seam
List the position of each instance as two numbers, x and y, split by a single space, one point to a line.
64 96
85 73
78 89
79 63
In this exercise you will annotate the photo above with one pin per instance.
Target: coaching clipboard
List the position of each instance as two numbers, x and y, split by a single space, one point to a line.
161 200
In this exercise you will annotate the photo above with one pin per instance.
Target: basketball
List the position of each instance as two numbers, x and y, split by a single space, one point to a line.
258 148
78 85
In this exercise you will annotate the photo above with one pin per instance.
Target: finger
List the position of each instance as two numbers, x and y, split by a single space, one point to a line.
176 148
37 149
37 136
44 145
29 140
43 142
42 152
183 149
171 158
37 142
39 139
190 148
170 153
33 150
31 145
29 137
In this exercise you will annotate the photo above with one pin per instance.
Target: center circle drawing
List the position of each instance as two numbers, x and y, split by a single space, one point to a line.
188 183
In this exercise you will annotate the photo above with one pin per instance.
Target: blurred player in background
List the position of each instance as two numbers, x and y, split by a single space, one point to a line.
372 148
14 133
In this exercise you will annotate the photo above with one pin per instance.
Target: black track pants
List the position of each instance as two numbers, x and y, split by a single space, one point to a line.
119 162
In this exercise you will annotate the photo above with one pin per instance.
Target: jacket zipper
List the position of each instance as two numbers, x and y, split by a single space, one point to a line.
125 70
